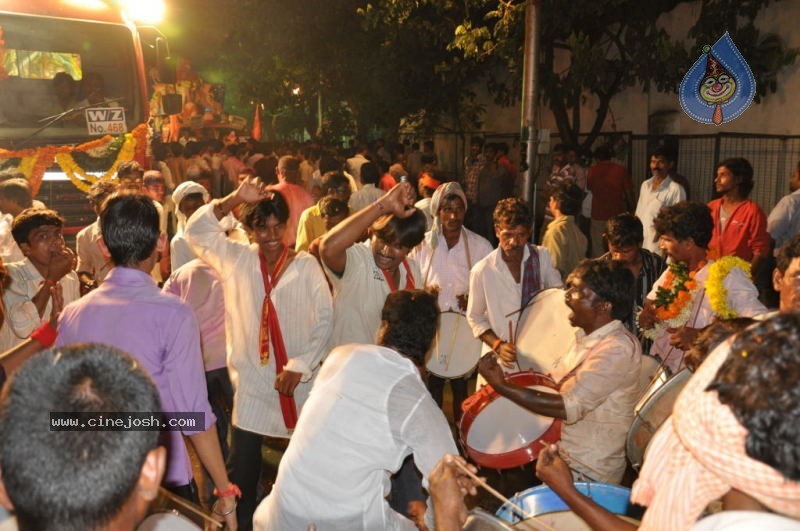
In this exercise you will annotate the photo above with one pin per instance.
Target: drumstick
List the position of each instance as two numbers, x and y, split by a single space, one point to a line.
570 459
526 518
186 505
511 339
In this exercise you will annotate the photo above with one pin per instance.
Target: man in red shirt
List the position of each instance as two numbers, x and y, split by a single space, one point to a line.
612 194
296 196
740 226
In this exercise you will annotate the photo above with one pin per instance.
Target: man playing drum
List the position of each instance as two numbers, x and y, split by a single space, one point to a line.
508 278
598 378
694 290
446 256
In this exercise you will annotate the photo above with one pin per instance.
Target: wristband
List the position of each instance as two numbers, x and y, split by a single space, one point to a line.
233 490
45 335
496 344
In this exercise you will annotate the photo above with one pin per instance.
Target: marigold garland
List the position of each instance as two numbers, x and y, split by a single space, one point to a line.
715 288
673 299
34 161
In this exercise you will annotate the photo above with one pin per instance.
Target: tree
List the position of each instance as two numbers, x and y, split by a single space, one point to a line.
605 46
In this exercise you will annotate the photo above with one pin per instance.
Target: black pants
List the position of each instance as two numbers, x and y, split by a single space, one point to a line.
457 385
406 487
220 397
244 465
187 492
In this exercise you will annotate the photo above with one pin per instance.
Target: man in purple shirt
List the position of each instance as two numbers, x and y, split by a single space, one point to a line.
129 312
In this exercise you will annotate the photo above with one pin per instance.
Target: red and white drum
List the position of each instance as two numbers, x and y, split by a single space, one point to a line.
454 352
497 433
544 334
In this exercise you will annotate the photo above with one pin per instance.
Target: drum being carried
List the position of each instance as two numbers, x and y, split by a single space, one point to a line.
497 433
546 506
544 334
454 352
652 411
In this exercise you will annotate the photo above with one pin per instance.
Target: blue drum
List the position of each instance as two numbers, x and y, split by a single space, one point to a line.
545 504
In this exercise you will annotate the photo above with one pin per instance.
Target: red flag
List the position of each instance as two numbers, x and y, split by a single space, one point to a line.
257 124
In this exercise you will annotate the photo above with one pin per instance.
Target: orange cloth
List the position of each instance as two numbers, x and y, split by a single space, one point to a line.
698 455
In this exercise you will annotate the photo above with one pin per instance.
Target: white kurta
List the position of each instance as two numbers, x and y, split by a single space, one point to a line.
494 294
448 269
742 297
22 316
359 295
303 302
651 201
368 410
90 257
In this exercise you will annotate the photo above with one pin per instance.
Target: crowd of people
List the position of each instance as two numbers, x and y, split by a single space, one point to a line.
293 292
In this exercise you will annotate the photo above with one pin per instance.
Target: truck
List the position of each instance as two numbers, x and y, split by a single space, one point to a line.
72 81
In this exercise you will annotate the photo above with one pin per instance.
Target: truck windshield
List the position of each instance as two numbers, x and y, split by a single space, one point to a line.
49 65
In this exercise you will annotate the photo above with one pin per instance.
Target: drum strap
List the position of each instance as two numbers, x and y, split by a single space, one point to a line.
409 278
271 333
531 276
433 253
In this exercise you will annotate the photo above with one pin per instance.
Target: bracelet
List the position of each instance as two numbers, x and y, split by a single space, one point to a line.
45 335
214 509
497 344
233 490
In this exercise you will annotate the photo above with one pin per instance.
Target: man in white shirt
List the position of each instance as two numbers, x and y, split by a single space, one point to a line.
598 378
784 220
15 196
47 264
188 197
445 257
657 192
368 410
369 191
93 264
355 162
508 278
277 321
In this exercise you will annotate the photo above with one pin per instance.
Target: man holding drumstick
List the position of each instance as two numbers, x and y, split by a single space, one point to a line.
598 378
446 256
508 278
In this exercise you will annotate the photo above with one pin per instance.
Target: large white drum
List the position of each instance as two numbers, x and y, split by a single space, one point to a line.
454 352
544 334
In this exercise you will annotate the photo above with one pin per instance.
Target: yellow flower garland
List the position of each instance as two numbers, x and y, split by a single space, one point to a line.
86 180
715 289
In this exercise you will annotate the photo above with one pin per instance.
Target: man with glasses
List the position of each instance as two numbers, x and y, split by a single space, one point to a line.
508 278
598 378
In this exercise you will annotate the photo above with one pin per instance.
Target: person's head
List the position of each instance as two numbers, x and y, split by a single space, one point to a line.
734 175
333 211
38 232
335 184
512 225
266 168
712 336
288 169
129 224
661 162
189 196
78 479
427 184
64 87
370 173
625 236
490 151
566 198
449 207
559 157
409 320
786 276
245 173
603 152
758 382
597 292
15 196
329 163
683 227
130 174
98 193
427 146
475 145
154 185
265 222
392 238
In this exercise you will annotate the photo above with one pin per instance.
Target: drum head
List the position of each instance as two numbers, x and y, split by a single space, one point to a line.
651 412
497 433
167 522
544 334
480 520
454 352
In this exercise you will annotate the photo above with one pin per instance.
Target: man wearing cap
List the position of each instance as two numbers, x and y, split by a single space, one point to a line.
445 257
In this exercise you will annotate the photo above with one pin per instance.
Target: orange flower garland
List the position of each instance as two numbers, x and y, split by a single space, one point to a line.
674 298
